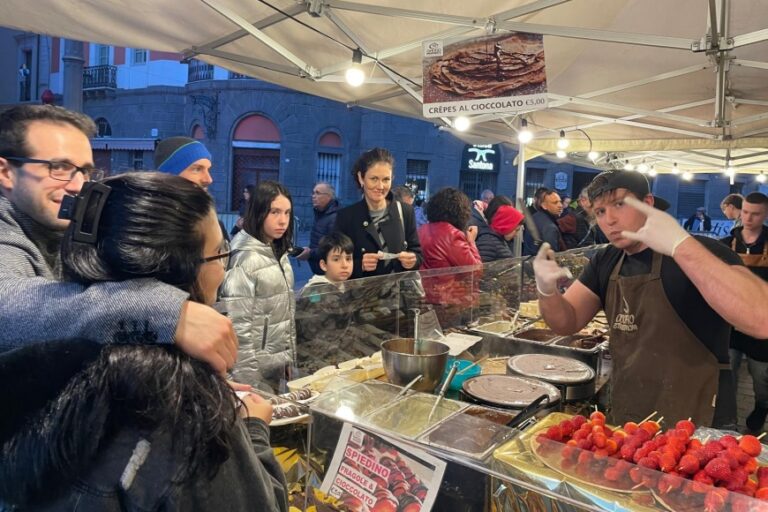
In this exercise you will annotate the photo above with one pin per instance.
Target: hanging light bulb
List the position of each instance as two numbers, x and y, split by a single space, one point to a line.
628 166
561 154
524 135
652 172
687 176
761 177
461 123
643 167
592 155
562 142
675 170
355 75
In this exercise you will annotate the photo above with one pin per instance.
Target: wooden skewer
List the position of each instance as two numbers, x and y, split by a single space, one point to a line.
654 413
595 406
660 420
472 365
638 486
761 436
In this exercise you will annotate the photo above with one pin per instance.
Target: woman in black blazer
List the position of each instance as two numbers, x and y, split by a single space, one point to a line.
379 223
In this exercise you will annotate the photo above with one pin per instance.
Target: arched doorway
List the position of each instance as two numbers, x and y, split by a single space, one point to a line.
255 154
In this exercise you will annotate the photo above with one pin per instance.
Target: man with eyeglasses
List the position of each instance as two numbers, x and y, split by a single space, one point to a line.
325 206
45 155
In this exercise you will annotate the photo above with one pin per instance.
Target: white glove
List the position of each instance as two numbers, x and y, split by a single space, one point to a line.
547 271
661 231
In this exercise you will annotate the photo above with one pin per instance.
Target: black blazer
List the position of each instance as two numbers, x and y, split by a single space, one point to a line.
355 222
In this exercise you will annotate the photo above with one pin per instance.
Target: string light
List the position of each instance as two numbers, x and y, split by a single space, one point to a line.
461 123
761 177
653 172
562 142
628 166
643 167
675 170
524 135
561 154
593 155
355 75
687 176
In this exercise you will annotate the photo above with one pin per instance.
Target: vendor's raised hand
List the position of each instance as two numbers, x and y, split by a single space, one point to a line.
370 260
207 335
661 232
407 259
547 271
256 407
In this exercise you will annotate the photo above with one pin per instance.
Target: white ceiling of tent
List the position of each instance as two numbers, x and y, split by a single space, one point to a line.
632 79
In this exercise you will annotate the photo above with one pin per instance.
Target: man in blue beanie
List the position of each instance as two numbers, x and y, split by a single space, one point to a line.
184 157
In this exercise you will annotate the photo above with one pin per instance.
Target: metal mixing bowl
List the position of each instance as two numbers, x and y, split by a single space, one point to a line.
402 365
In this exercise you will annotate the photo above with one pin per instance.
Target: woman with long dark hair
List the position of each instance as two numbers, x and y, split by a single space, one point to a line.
379 223
129 426
258 288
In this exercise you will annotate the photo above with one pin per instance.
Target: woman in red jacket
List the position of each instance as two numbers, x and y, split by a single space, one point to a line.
447 241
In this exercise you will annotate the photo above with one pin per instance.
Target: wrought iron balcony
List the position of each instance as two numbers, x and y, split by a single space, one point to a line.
238 76
100 77
198 70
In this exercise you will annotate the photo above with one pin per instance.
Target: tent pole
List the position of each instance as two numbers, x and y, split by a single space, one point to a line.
520 195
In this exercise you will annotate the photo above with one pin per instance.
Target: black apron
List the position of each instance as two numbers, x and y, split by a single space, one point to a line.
658 363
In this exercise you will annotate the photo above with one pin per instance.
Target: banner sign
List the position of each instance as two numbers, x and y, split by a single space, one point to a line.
496 73
372 472
481 157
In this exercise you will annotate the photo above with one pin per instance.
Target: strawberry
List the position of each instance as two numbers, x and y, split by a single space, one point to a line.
651 427
749 488
630 427
578 420
762 493
599 439
751 465
702 482
715 500
750 445
737 453
737 480
669 483
718 469
567 427
648 462
636 474
728 441
667 462
612 474
689 464
597 417
627 451
730 459
712 449
686 425
554 433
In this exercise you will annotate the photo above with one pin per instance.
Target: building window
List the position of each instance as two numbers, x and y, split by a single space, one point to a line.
25 76
534 179
417 178
103 129
137 159
328 168
473 183
102 55
139 56
198 70
690 195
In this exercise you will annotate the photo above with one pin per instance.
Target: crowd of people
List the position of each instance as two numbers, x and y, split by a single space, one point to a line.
116 360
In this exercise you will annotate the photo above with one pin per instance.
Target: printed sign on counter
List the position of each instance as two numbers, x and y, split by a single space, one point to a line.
370 472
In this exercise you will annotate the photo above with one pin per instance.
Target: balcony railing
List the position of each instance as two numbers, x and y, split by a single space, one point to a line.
238 76
199 70
100 77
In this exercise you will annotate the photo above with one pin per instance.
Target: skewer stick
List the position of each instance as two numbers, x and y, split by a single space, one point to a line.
595 406
660 420
654 413
638 486
472 365
761 436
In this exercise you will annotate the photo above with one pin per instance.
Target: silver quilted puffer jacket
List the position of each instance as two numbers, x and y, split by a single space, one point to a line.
257 295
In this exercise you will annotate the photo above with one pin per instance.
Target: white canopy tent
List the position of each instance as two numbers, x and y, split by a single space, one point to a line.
666 81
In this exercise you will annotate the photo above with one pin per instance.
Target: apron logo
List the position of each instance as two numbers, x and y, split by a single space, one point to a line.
625 321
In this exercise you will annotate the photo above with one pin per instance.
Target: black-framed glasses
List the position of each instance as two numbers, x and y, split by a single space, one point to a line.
224 252
61 170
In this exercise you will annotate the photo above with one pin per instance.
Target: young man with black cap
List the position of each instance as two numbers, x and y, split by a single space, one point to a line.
670 348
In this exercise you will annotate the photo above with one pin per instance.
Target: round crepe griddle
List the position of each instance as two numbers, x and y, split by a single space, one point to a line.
553 369
508 390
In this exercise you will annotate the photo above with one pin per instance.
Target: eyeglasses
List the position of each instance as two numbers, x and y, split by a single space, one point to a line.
62 170
318 193
224 252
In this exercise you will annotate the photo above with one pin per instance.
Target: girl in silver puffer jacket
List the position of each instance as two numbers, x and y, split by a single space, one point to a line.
257 292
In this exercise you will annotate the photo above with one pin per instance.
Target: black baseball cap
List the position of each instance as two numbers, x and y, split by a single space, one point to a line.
610 180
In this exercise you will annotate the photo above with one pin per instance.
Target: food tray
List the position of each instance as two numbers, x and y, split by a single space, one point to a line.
408 417
466 435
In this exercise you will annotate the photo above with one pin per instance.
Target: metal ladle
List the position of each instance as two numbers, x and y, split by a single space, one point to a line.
443 389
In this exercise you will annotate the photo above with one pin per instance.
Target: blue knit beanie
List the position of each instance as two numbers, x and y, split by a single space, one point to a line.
174 154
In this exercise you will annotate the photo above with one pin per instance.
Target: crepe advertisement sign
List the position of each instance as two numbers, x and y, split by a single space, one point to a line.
496 73
371 473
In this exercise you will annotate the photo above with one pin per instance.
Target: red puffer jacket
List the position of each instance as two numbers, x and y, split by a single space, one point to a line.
444 246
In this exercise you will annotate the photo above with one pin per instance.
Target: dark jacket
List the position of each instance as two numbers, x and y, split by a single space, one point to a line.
707 222
584 235
355 222
549 230
324 223
478 218
131 468
491 245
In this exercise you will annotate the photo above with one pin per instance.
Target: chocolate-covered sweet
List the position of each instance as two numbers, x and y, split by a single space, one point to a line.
500 417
